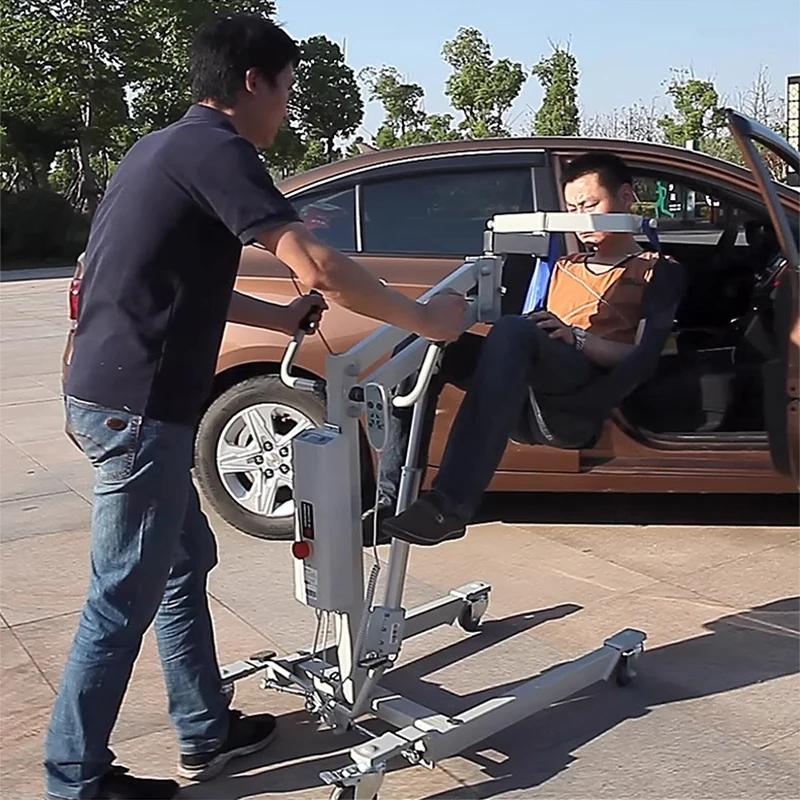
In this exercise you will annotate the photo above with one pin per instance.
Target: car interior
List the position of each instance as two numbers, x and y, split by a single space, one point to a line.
711 382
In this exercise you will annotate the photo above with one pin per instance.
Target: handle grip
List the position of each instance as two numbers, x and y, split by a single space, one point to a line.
307 325
423 378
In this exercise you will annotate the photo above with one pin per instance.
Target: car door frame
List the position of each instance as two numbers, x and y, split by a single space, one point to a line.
782 383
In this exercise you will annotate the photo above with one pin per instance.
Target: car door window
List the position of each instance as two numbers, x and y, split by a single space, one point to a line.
331 216
687 215
441 213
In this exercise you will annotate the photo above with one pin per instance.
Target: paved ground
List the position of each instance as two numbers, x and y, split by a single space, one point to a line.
715 713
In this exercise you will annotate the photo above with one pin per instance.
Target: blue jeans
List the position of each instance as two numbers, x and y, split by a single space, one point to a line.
496 372
151 552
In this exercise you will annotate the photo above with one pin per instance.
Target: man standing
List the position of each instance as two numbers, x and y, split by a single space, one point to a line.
160 267
593 321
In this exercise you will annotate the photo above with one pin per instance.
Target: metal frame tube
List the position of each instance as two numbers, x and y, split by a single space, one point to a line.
398 553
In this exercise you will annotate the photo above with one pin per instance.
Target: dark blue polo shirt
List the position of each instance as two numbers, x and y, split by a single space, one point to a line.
160 265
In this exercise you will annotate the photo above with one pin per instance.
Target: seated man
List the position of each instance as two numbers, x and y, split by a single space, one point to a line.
592 322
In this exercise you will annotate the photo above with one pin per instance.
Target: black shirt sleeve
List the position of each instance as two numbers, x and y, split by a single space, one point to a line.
235 186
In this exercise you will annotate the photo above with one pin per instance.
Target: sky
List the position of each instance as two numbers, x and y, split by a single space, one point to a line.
625 48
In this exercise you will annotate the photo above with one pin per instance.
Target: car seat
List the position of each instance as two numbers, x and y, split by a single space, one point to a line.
575 421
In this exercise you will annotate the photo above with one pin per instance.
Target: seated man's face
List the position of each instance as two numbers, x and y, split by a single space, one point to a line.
587 195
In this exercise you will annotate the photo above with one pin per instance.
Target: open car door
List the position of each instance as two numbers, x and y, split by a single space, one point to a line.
782 373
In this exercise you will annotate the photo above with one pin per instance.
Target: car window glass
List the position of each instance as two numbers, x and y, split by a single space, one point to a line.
687 213
441 214
331 217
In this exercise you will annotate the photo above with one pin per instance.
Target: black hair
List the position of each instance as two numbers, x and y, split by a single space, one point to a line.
226 47
611 170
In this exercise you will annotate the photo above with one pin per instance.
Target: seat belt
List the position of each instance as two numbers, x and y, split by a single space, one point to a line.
651 234
540 280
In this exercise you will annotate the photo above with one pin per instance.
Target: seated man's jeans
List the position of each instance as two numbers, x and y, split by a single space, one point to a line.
151 552
496 372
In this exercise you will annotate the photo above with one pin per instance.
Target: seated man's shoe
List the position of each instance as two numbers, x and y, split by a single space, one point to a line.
426 522
246 735
117 784
384 512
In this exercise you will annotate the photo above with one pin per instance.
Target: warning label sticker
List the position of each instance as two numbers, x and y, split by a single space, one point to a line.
306 519
311 579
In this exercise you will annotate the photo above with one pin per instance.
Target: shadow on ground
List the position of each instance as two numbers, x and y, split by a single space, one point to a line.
738 650
641 509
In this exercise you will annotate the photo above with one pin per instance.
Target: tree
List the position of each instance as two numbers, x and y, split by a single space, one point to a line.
327 100
637 122
401 100
70 66
761 102
406 122
63 81
483 90
286 153
558 75
698 116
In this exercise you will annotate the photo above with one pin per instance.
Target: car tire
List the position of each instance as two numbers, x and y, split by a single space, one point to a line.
226 421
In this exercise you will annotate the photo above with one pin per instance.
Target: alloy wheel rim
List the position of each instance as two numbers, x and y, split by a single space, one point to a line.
254 458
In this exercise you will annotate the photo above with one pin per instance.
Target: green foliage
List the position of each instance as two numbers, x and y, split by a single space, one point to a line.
698 115
558 75
29 214
402 102
406 122
159 79
68 67
315 155
285 154
483 90
63 79
327 101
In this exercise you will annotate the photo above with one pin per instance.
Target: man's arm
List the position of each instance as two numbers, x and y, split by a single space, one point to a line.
246 310
345 282
233 184
603 352
600 351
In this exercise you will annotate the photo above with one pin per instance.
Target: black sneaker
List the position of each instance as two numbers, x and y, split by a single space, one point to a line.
385 511
117 784
246 735
426 522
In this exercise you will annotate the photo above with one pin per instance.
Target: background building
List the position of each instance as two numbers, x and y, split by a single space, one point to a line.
793 121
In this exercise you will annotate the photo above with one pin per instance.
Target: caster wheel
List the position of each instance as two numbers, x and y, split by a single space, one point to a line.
470 618
347 793
626 670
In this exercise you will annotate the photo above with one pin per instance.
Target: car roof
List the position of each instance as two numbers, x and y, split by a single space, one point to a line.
567 146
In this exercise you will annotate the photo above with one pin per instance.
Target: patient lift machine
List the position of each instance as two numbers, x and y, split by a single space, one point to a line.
340 681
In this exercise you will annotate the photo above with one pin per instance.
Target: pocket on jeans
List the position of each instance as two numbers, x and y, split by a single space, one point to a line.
109 438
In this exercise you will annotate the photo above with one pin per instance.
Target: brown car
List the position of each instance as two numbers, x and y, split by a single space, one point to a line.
720 416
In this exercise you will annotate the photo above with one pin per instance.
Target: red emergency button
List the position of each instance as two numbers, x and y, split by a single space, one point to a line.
301 549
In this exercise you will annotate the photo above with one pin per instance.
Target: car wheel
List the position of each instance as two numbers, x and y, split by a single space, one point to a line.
243 454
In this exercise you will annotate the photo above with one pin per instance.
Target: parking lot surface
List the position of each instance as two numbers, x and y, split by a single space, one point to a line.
715 712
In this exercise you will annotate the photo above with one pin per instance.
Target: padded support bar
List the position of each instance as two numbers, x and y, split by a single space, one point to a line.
540 222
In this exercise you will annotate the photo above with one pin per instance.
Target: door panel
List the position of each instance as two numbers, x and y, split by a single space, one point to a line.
782 380
781 376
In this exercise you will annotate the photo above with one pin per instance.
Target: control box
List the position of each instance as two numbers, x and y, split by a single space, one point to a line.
327 539
378 404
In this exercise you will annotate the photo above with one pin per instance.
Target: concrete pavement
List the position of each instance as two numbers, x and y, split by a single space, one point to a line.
714 714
